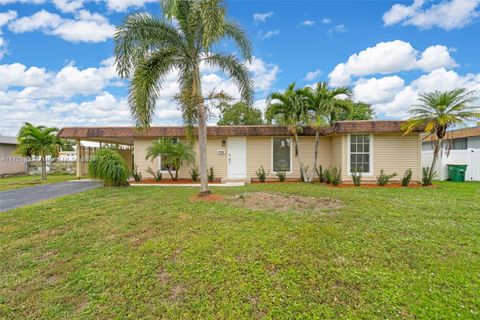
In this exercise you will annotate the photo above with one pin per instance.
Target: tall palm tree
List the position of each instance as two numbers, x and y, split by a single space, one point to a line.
148 48
288 109
323 104
438 111
38 141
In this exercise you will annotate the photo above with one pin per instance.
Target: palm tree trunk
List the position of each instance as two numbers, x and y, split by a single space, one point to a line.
299 154
202 136
436 150
44 167
315 155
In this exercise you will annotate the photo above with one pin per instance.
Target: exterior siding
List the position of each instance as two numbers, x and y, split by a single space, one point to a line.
391 152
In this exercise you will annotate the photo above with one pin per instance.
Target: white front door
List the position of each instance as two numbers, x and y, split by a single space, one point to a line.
237 157
474 165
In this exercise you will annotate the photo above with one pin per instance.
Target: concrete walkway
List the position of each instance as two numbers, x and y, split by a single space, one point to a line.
12 199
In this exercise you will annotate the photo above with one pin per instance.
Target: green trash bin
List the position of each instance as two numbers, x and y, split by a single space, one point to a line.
456 172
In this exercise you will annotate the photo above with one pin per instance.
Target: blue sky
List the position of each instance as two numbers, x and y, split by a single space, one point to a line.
56 66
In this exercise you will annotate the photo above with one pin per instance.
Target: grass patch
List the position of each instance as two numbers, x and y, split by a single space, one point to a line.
16 182
152 253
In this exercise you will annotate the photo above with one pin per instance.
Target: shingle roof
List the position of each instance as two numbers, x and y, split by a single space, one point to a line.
461 133
265 130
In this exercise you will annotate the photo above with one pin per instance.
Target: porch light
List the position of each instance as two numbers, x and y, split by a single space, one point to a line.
224 143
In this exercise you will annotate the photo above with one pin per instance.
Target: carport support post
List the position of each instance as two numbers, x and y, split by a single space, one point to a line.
79 163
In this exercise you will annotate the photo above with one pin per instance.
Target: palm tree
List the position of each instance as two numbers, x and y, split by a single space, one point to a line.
38 141
438 111
323 104
148 48
288 109
173 154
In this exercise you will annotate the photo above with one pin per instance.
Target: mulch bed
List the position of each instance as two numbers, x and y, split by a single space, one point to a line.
373 186
207 198
179 181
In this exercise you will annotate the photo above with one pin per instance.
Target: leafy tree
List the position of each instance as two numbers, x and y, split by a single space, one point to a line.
288 109
38 141
323 104
438 111
173 154
148 48
239 114
68 145
108 165
355 111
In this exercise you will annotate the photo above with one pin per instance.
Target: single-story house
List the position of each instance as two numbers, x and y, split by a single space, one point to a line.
10 162
464 145
237 152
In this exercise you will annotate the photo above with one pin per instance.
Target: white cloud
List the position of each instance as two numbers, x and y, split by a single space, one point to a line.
261 17
4 2
86 27
391 98
124 5
337 29
6 17
326 21
268 34
17 74
68 5
308 23
447 15
264 74
313 75
390 57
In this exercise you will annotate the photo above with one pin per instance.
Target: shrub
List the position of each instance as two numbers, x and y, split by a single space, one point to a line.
328 176
137 176
261 174
321 177
384 178
336 175
157 175
281 175
109 166
302 178
356 177
427 178
194 174
407 177
211 174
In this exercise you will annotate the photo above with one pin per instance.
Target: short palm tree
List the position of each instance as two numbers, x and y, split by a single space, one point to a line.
148 48
323 104
288 109
173 154
38 141
439 111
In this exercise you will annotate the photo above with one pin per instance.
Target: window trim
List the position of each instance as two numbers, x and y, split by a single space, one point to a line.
367 174
271 152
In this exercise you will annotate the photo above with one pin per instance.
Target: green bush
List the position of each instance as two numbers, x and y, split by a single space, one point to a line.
427 178
282 175
137 176
109 166
336 174
261 174
356 177
194 174
384 178
407 177
157 175
327 174
321 177
211 174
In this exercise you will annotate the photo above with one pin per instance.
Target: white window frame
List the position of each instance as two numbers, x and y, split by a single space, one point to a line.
160 158
291 149
370 173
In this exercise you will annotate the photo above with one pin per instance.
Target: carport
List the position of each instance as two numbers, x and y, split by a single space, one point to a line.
120 137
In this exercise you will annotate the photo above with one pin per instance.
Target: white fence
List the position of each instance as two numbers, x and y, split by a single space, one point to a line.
470 157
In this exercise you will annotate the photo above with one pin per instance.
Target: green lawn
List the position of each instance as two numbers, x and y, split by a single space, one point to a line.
149 252
15 182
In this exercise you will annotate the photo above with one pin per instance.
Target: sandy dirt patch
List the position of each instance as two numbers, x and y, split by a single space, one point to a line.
284 202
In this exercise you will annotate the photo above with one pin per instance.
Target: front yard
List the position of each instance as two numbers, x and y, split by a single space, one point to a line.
150 252
23 181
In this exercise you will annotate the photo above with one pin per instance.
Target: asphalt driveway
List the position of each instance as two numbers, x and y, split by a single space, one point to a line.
12 199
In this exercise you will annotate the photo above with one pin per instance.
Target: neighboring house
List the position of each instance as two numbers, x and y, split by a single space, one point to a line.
464 145
10 162
237 152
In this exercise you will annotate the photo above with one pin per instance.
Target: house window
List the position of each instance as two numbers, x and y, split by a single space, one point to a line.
281 154
161 165
459 144
360 153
